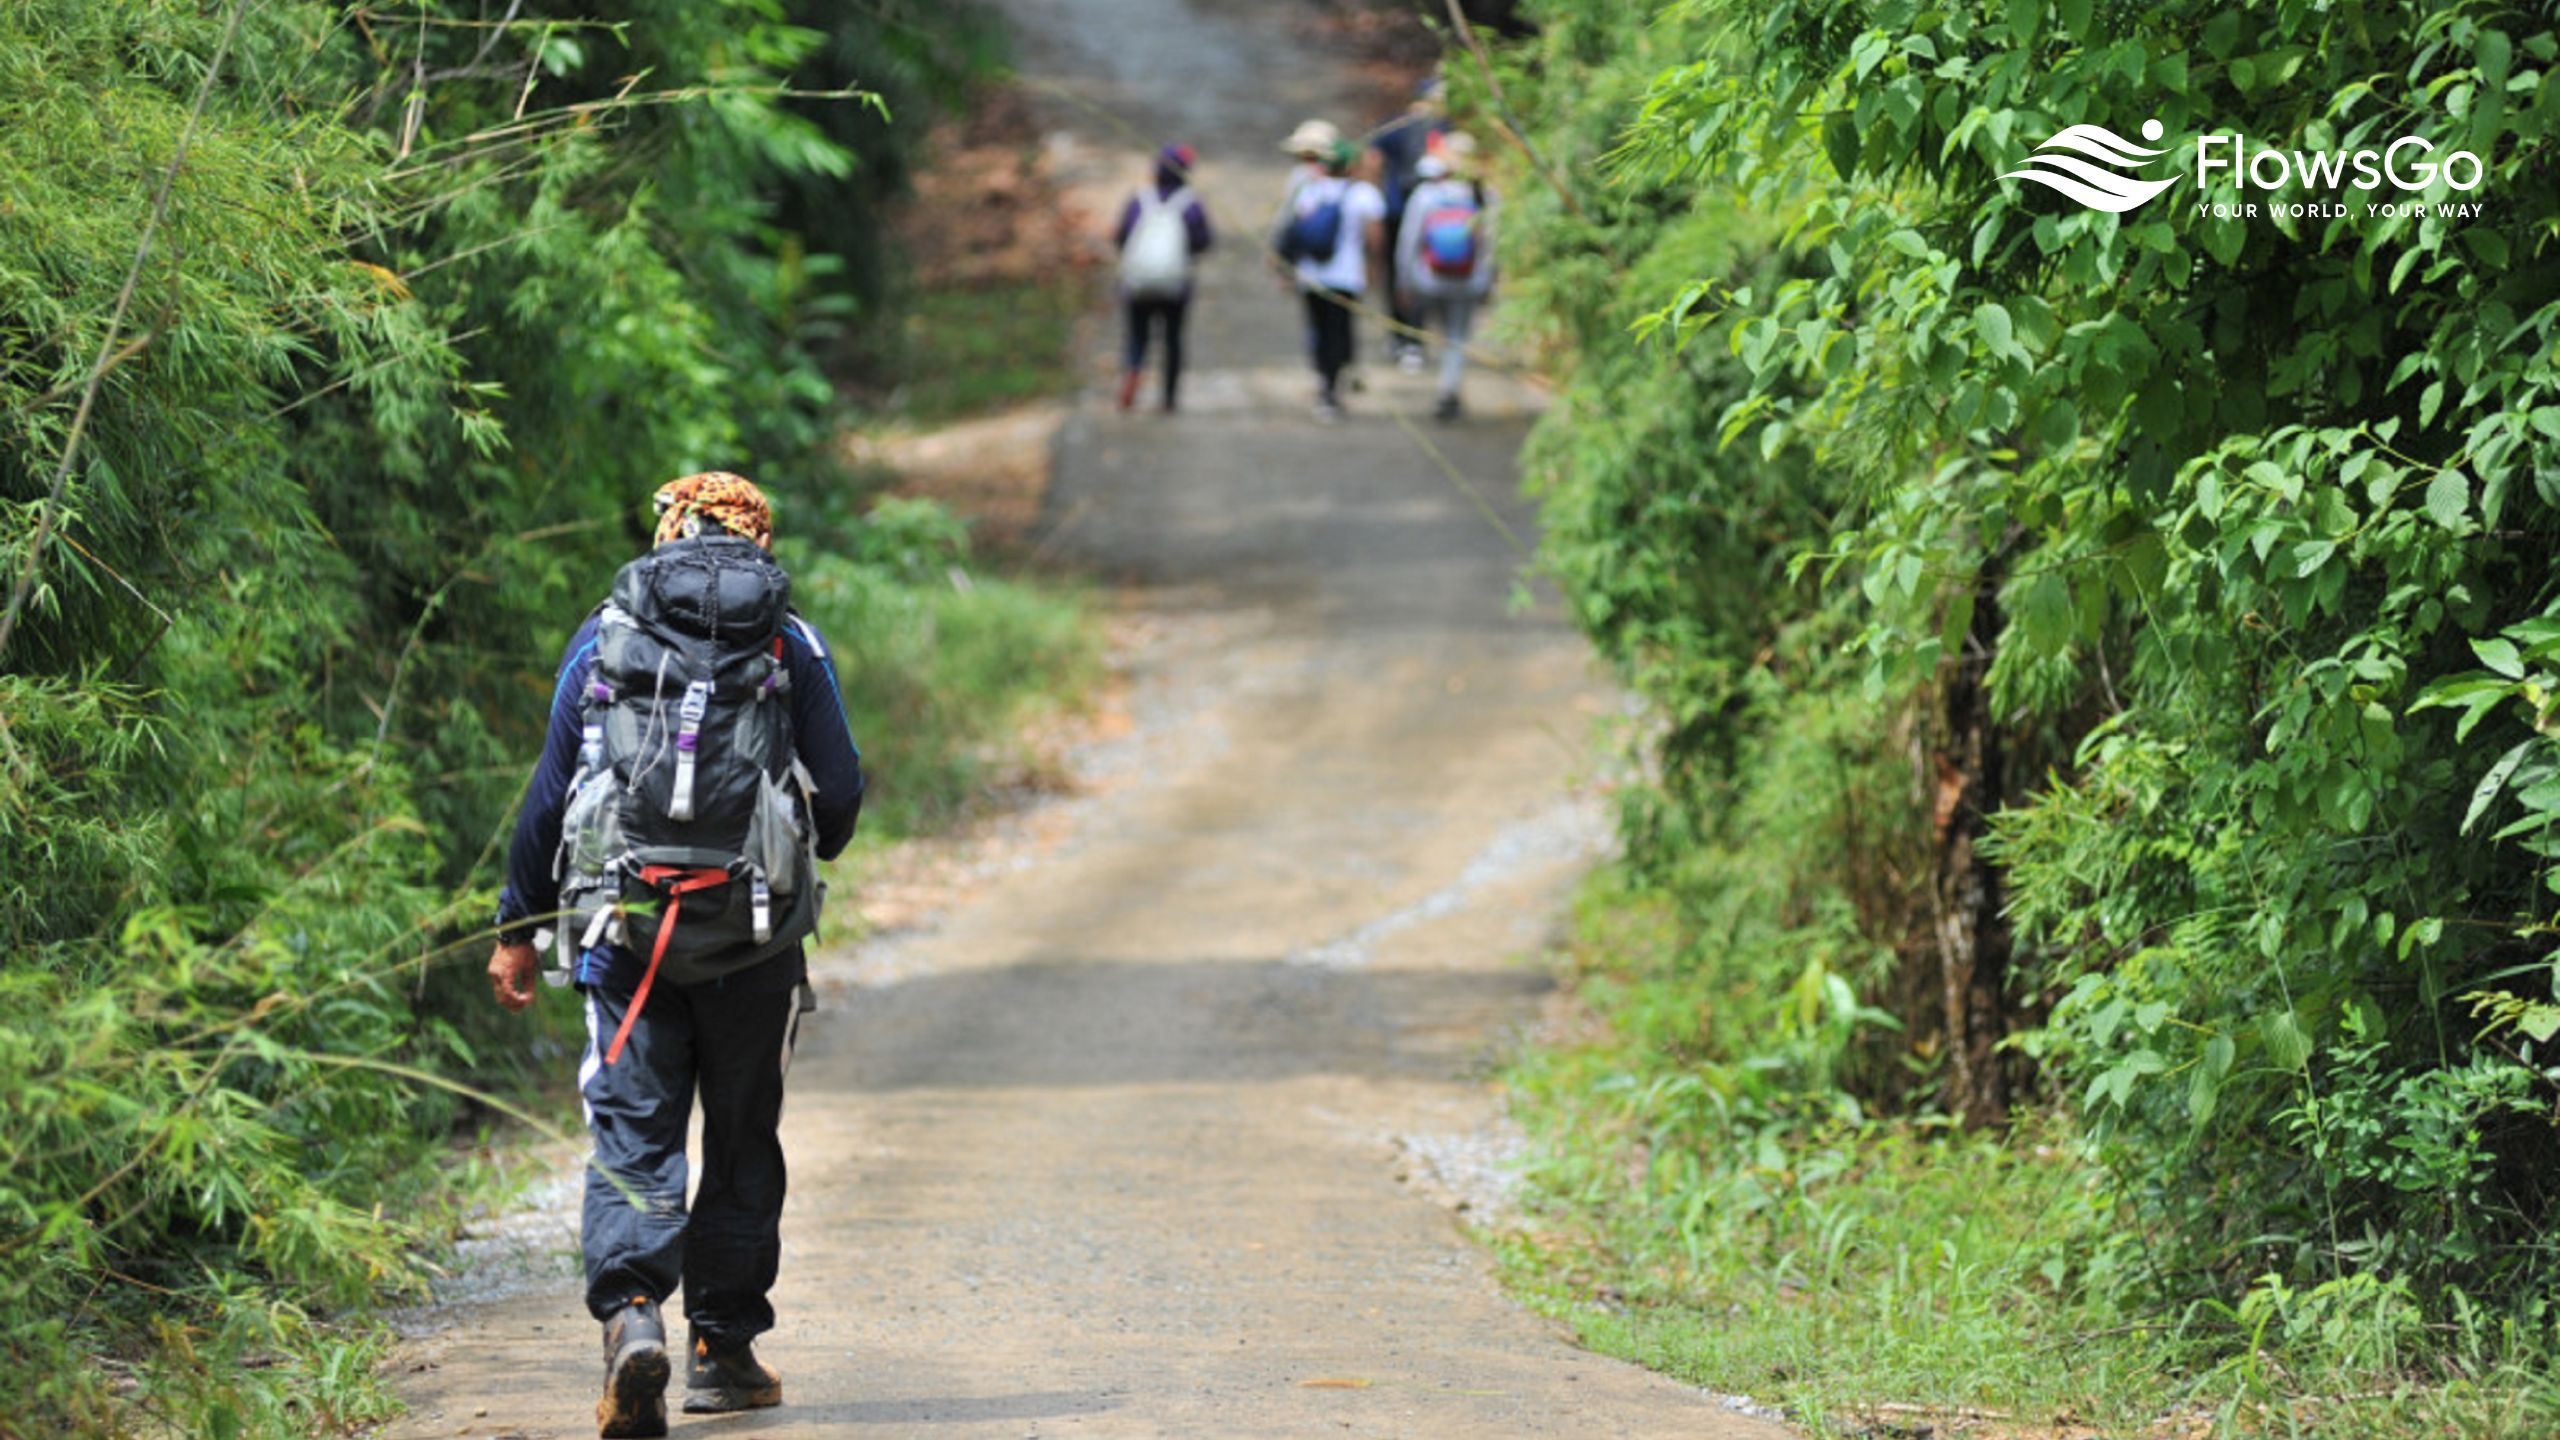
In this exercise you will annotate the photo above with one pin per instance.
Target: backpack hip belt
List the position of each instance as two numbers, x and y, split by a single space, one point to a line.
675 882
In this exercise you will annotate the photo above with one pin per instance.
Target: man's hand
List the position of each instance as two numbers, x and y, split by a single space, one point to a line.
511 971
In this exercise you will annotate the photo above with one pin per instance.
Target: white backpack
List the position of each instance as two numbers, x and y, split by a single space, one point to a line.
1156 263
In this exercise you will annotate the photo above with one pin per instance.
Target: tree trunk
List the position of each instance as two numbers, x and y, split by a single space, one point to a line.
1973 935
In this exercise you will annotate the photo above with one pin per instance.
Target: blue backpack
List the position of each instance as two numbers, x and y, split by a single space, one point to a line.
1452 233
1316 234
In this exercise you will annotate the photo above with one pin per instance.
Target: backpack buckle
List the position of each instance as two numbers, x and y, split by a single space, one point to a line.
697 703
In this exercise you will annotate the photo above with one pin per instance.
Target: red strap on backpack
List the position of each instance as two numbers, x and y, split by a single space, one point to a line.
684 882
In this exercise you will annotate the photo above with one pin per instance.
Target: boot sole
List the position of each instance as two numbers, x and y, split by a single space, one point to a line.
723 1402
634 1406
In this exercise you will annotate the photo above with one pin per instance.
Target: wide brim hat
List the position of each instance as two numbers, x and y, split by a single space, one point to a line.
1312 139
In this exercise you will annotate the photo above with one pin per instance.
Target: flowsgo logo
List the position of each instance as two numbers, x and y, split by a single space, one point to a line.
2091 186
2409 165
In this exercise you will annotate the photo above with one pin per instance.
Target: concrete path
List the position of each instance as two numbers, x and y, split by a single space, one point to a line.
1127 1146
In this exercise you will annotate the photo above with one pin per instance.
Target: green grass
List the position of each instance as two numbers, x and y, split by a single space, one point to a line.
1860 1263
1692 1215
968 351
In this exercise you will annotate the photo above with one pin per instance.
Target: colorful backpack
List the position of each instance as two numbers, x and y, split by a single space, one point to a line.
1452 233
689 814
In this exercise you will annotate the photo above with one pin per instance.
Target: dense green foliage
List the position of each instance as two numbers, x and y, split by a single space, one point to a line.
2100 662
396 321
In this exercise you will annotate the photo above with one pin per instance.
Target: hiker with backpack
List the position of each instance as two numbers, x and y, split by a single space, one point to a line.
1330 226
1163 232
1400 145
698 766
1444 257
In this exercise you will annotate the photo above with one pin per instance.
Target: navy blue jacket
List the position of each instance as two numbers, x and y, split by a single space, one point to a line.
821 732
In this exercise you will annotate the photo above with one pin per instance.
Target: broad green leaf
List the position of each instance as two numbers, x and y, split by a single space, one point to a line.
2420 935
2204 1095
2288 1044
2447 496
2499 655
1992 322
1840 143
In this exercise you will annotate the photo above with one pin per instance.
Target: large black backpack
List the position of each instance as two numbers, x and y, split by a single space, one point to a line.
687 833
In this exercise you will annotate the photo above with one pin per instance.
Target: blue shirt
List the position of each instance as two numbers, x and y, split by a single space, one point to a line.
822 734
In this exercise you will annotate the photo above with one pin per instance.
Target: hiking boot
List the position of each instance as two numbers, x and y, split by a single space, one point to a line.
719 1381
635 1373
1447 409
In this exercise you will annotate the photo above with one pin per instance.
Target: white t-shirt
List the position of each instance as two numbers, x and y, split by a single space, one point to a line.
1362 206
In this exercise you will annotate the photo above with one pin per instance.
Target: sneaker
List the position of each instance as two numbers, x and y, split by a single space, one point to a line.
1328 411
635 1373
1447 409
1411 360
1129 389
720 1381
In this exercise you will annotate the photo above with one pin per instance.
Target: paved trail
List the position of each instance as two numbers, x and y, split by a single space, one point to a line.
1109 1152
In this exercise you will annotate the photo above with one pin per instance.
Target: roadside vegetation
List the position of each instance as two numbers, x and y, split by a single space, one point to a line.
339 351
2084 946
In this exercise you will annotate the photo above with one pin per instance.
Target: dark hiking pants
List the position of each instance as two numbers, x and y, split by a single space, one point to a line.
1329 318
730 1043
1144 314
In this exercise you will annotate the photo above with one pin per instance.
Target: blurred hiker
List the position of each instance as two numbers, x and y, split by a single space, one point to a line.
1444 258
1400 146
1330 228
1309 144
1163 232
698 766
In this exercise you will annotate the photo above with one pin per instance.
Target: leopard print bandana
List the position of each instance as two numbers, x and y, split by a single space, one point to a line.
731 501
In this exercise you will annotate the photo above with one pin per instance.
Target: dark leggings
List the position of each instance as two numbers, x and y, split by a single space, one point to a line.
1329 318
1142 316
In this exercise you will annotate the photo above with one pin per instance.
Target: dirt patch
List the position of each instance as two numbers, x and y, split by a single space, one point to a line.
993 471
987 209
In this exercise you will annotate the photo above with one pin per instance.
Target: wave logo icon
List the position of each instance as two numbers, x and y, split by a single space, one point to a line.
2099 186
